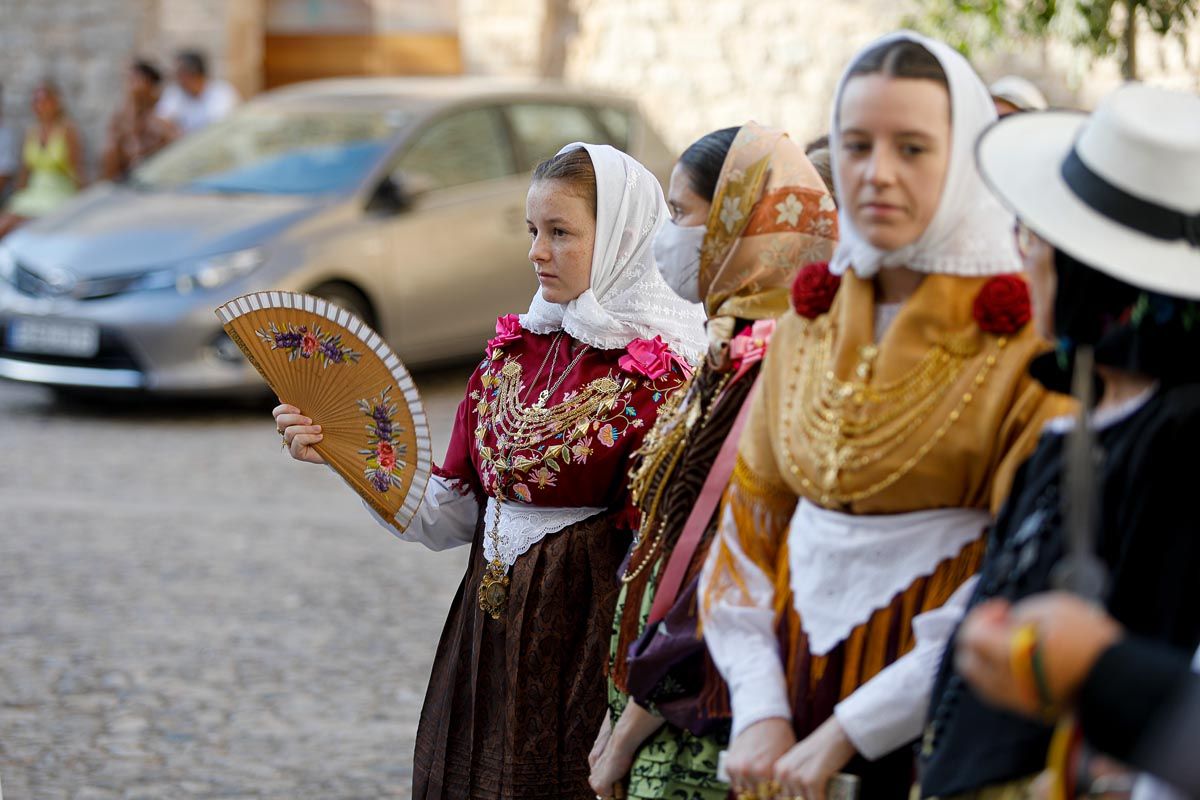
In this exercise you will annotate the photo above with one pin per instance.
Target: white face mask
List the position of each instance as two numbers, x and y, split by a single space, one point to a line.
677 252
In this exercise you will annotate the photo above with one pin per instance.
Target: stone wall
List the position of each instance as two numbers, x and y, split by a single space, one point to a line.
697 65
501 37
700 66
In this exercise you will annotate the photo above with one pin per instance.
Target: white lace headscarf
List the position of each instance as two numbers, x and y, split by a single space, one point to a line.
970 233
627 299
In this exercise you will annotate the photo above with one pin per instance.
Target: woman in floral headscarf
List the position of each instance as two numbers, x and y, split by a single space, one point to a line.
894 407
747 212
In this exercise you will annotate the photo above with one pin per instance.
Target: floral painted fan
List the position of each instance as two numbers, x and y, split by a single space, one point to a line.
341 374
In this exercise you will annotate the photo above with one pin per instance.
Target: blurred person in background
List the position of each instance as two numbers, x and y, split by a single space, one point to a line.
10 165
1013 94
746 214
819 156
135 131
51 161
195 100
894 407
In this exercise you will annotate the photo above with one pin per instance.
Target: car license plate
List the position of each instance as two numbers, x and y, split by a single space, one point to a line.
54 338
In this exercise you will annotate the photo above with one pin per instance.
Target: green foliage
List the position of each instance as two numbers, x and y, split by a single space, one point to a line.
1098 27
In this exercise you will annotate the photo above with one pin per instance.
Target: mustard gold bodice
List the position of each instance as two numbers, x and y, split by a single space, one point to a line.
936 414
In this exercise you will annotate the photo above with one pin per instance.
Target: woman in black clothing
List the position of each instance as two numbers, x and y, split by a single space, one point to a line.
1111 240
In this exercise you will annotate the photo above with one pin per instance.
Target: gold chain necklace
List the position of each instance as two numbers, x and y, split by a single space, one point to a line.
517 426
661 456
845 426
551 352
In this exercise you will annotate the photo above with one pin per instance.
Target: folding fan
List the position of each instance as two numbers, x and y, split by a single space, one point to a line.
342 375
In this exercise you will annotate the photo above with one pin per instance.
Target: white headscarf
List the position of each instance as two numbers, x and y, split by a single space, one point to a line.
627 299
970 233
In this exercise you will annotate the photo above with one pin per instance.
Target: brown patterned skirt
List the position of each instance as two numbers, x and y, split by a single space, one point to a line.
514 704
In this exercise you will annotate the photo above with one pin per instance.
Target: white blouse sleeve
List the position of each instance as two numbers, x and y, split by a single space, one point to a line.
888 711
447 517
740 635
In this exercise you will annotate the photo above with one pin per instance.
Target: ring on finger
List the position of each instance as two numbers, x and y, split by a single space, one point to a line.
768 790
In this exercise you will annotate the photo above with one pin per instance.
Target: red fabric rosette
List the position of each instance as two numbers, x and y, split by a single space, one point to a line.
1002 306
813 289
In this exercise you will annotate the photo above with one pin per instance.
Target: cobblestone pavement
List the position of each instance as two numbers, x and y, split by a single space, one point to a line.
187 613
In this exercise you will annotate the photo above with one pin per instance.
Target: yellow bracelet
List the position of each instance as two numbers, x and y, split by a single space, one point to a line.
1020 656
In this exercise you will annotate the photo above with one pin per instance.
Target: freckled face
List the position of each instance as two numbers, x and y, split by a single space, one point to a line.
895 151
562 227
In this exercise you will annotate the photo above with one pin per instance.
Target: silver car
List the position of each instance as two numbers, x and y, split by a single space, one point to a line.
401 199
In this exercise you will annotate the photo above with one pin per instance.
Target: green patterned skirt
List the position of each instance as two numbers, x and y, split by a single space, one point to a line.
673 763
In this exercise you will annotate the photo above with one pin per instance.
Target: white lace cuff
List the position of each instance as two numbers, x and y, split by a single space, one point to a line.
446 519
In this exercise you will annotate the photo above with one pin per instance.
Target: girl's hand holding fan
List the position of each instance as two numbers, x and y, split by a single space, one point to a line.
299 434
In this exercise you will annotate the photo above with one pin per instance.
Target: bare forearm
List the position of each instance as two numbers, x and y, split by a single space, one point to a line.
635 726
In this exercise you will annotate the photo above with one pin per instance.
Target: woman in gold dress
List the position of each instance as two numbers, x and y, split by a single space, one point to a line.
894 407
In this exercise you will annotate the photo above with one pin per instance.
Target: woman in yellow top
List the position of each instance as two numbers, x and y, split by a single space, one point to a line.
894 406
51 162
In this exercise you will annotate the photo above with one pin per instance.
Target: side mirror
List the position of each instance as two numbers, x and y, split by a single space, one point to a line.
400 190
390 197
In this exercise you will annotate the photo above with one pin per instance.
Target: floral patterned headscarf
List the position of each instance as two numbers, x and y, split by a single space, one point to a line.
771 215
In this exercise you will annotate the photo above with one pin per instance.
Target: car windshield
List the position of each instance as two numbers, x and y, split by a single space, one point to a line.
276 151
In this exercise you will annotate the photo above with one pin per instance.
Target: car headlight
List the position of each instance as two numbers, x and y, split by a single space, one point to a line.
205 273
8 265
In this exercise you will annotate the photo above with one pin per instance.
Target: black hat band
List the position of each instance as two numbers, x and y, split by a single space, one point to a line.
1125 209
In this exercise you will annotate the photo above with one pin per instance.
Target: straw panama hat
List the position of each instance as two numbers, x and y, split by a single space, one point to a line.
1118 190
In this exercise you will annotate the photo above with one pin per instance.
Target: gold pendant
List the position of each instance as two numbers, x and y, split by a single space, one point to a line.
493 589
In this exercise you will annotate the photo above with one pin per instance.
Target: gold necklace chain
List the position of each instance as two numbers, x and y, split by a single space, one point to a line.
517 426
865 433
839 423
654 476
551 352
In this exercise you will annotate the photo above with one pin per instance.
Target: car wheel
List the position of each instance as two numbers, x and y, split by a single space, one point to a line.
347 297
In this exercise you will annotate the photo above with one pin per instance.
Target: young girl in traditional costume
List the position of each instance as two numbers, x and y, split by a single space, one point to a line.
535 481
894 406
747 212
1110 232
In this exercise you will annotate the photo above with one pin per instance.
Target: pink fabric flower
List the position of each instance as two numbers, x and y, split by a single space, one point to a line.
650 357
508 329
749 346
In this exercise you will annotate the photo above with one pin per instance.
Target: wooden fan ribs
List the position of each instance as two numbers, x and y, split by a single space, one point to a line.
341 374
